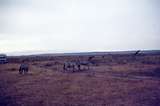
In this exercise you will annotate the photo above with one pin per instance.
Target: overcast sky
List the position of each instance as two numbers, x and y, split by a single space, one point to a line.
79 25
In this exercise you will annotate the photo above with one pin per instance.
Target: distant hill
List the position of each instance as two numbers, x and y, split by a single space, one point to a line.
101 53
81 53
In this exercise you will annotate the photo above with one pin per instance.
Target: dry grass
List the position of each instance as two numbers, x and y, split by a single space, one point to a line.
108 83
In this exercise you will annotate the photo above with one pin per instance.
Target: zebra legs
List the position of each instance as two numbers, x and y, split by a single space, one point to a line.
23 71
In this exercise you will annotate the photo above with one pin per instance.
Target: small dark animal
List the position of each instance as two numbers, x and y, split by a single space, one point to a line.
23 68
136 53
90 58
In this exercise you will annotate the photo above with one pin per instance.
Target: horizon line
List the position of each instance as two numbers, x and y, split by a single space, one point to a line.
30 52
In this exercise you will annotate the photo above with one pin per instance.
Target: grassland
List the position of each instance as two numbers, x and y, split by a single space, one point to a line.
112 80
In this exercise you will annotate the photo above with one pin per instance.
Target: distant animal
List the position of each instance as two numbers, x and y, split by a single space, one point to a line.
83 63
90 58
23 68
136 53
69 66
76 66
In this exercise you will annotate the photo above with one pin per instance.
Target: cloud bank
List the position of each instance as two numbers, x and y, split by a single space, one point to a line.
79 25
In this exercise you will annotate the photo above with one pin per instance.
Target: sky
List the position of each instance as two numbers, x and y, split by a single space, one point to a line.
79 25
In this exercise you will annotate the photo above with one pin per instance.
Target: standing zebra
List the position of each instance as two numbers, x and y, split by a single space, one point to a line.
69 66
23 68
76 66
84 64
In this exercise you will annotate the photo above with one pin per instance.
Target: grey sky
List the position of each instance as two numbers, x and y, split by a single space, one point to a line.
79 25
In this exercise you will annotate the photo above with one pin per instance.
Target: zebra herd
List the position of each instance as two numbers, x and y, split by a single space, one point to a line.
70 65
67 67
76 66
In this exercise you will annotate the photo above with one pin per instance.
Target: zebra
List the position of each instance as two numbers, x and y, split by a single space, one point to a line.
76 66
70 66
83 63
23 68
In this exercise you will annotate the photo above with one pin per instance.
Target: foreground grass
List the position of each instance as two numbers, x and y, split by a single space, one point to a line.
102 85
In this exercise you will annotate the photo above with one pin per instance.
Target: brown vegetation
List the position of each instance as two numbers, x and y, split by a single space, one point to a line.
113 80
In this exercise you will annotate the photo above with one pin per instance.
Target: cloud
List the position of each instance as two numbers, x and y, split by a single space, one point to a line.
80 24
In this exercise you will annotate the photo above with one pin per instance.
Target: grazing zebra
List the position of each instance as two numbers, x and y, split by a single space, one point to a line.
70 66
23 68
76 66
83 63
